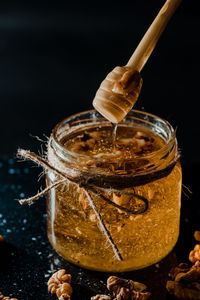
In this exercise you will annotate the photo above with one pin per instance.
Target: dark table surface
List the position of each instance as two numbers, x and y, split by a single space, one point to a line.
53 58
27 259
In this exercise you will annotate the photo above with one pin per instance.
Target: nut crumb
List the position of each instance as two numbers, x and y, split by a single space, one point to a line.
59 284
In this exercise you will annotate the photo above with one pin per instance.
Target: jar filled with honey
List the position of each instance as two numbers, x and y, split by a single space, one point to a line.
131 173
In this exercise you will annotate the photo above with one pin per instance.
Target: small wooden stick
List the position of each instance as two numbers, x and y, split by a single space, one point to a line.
151 37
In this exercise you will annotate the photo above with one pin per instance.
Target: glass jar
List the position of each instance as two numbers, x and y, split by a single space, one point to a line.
140 205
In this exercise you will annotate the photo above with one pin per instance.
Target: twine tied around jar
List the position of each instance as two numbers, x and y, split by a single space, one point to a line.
93 185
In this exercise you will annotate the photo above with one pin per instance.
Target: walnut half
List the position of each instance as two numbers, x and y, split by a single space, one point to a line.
127 289
59 284
185 282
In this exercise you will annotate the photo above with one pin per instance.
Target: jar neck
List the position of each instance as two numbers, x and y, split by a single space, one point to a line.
145 164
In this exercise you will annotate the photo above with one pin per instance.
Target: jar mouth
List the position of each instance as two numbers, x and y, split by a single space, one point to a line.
135 118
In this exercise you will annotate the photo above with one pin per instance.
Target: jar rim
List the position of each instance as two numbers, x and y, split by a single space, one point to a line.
58 145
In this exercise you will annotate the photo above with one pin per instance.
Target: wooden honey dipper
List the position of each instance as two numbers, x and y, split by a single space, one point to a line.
120 89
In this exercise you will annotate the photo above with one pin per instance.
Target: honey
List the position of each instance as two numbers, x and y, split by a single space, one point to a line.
140 159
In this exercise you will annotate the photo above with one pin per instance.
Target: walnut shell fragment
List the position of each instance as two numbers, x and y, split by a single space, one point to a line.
59 284
127 289
181 268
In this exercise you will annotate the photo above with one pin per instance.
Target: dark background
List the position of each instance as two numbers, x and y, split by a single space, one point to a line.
54 55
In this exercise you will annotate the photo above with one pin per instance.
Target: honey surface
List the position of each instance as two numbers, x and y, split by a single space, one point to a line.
126 142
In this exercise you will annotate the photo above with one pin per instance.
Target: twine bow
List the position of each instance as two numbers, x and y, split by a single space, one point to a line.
89 189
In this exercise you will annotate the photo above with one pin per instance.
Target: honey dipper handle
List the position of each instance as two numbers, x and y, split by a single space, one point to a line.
149 40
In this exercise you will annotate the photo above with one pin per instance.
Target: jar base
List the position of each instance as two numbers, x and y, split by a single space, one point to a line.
118 268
